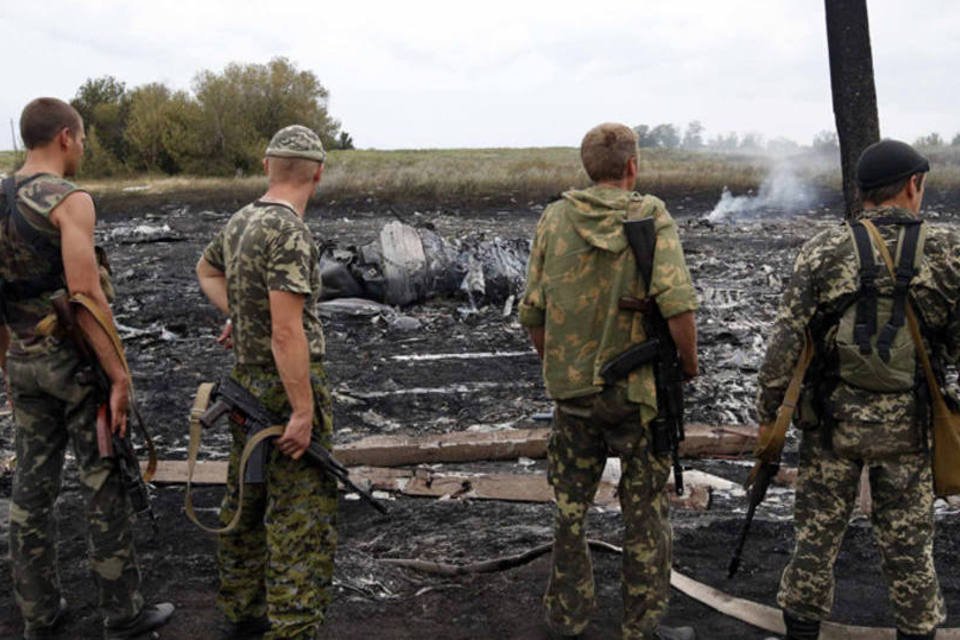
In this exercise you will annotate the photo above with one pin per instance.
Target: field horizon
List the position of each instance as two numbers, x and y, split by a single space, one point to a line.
492 177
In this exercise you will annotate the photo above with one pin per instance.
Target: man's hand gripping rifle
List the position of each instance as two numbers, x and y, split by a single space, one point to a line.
243 408
110 444
769 448
667 428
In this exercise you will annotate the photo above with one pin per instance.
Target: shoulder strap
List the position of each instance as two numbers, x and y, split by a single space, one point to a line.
640 229
936 395
865 322
903 274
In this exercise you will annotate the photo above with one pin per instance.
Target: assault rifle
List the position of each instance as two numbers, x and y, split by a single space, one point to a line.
667 428
245 409
770 447
109 444
758 483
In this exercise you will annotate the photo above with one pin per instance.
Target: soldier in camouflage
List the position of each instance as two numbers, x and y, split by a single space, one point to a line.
854 427
262 270
580 266
46 248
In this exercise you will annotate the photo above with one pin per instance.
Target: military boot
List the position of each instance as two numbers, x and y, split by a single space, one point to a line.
675 633
916 636
800 629
149 618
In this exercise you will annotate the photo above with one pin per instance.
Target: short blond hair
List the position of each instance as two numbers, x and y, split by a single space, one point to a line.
290 170
606 149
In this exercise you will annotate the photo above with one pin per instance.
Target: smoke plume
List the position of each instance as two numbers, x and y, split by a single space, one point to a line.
782 192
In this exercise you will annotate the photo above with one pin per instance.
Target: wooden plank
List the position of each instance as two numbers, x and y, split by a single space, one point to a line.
460 446
175 471
509 444
423 482
529 488
704 440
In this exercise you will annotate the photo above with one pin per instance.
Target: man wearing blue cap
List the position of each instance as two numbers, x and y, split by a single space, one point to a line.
864 402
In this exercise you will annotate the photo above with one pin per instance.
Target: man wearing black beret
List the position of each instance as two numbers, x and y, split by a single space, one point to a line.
864 401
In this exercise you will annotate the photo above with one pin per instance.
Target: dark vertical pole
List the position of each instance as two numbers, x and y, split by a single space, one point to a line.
854 94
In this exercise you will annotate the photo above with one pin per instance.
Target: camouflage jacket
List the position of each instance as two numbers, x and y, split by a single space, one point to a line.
35 201
266 247
825 277
580 266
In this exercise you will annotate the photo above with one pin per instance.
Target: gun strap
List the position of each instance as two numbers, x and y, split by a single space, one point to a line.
110 330
643 212
769 450
200 403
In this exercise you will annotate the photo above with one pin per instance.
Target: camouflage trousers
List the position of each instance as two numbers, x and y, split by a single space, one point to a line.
584 432
279 561
51 407
902 518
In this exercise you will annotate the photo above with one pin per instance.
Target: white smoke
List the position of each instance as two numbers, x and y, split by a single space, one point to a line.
782 191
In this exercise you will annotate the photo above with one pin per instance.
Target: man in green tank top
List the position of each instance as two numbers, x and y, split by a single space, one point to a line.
46 247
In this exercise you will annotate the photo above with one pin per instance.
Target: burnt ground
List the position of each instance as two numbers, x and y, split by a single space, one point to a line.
168 328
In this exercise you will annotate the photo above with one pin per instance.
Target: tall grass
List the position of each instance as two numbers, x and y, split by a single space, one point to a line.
493 176
477 176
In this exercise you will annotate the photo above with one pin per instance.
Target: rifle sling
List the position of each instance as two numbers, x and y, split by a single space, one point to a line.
769 450
200 404
110 330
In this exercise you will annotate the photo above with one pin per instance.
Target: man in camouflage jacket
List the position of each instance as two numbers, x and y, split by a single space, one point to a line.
46 248
580 266
262 270
852 426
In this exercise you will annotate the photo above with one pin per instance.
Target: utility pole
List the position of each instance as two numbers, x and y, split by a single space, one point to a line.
854 94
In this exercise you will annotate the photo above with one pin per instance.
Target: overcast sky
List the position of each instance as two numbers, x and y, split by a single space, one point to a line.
505 73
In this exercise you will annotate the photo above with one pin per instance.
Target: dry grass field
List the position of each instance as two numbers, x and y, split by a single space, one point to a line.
494 176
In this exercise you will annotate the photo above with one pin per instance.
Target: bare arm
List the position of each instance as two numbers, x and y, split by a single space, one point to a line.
536 337
75 217
683 330
213 283
291 353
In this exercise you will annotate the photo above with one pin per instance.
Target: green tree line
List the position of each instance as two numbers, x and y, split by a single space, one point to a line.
221 127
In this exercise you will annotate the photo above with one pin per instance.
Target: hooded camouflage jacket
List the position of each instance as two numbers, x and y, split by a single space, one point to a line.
825 278
36 200
266 247
580 266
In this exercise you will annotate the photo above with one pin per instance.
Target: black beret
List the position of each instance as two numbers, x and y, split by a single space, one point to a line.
887 161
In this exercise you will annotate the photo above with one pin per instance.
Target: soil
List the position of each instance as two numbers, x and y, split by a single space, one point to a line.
739 270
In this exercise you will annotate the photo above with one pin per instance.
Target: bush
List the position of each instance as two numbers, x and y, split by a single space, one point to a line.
222 128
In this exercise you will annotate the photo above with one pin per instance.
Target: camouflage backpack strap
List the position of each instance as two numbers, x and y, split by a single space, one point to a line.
909 248
865 324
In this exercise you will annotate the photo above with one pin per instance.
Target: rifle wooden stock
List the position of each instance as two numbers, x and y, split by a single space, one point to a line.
104 434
